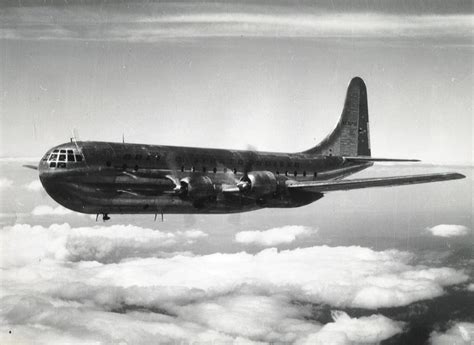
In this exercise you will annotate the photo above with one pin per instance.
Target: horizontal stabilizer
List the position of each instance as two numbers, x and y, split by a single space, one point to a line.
372 159
29 166
328 186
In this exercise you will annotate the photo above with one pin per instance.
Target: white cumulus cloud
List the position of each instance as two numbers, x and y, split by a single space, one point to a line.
124 283
275 236
28 244
45 210
346 330
461 333
5 183
448 230
34 186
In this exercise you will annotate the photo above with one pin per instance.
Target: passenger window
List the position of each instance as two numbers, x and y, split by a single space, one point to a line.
295 173
52 165
69 152
235 171
304 173
193 169
62 151
78 158
286 173
62 158
204 169
315 174
61 165
214 170
53 157
70 156
182 168
55 151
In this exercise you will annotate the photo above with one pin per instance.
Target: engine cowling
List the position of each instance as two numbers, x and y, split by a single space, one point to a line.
197 188
258 183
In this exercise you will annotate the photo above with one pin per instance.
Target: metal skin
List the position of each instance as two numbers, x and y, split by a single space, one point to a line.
106 183
113 178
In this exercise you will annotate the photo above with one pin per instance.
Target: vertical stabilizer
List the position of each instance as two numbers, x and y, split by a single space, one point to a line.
351 135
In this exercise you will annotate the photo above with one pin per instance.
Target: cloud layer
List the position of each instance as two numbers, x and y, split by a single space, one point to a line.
156 21
275 236
448 230
136 285
461 333
46 210
5 183
34 186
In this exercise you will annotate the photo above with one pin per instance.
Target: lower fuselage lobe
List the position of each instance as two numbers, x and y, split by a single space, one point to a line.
135 178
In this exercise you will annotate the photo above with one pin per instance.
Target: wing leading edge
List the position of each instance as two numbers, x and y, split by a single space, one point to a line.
335 185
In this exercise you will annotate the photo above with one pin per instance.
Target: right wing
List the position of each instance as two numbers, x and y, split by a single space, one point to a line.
335 185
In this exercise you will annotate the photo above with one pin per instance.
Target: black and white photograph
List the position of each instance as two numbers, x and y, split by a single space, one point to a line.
236 172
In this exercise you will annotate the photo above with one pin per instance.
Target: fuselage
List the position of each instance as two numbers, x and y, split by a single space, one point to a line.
103 177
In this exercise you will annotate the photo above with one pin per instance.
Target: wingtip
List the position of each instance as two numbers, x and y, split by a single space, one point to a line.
457 176
29 166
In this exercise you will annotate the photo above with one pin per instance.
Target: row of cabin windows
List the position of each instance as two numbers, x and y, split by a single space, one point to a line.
59 158
210 160
214 170
138 156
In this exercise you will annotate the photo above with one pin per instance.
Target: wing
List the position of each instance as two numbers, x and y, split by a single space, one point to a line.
328 186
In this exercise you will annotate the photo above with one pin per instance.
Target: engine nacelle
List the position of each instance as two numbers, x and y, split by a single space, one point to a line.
197 188
258 183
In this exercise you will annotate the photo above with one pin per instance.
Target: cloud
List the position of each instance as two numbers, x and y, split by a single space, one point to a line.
153 22
34 186
364 330
5 183
130 284
448 230
470 287
29 244
45 210
461 333
275 236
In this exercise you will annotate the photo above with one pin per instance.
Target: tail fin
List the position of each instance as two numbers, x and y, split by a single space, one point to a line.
351 135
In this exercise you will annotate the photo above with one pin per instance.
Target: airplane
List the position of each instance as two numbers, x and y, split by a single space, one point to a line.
106 178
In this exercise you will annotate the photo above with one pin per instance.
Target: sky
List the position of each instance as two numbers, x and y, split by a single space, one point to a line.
272 75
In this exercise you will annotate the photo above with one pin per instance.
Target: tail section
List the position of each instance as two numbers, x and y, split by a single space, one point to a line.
351 135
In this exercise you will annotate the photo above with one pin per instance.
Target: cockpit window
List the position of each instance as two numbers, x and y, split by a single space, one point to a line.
58 158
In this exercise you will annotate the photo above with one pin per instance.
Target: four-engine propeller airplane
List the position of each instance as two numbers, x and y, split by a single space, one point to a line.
118 178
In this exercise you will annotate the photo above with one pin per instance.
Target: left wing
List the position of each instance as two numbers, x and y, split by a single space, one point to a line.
334 185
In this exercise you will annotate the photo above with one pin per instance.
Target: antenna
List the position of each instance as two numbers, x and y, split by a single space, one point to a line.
74 139
123 138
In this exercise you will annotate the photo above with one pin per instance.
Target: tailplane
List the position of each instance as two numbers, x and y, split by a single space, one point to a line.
351 135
